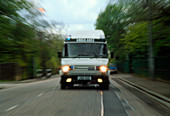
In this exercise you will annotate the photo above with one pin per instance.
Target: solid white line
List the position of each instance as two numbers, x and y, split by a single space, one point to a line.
127 112
11 108
118 96
129 105
111 85
120 89
124 104
102 106
40 94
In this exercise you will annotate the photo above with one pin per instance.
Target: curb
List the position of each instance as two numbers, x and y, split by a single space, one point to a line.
29 81
164 100
25 81
6 86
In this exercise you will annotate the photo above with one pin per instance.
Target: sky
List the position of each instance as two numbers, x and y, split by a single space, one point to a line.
75 14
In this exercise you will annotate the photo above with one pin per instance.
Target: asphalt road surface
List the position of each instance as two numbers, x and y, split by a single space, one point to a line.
45 98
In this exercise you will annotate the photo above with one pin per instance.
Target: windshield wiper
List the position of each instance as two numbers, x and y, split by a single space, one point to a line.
96 55
99 55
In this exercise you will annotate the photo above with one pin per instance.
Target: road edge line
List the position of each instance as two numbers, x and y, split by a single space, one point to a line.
11 108
164 100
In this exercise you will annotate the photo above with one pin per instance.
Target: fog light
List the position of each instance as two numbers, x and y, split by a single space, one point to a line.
99 80
69 80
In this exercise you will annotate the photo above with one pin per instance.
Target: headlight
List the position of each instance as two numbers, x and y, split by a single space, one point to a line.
103 68
65 68
69 80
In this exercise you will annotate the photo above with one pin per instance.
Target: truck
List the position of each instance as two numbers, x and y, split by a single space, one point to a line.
113 68
84 60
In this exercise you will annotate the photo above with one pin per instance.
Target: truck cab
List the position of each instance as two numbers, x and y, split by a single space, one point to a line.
84 59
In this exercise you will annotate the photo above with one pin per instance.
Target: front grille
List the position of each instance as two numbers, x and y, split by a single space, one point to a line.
83 72
84 67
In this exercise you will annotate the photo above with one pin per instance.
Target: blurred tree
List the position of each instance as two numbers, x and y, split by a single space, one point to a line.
125 25
20 40
113 22
133 26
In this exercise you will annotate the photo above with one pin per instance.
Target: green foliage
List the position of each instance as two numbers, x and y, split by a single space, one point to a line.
161 34
112 21
112 61
135 39
125 24
26 38
52 63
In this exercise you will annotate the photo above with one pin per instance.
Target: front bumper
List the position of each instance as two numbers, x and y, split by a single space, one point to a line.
75 80
84 72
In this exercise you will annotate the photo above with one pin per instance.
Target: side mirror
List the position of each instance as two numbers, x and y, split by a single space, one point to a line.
59 54
112 55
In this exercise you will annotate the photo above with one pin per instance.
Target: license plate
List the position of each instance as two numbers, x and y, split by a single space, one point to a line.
84 78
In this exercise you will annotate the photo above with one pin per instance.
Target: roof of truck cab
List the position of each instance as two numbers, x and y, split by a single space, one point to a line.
95 34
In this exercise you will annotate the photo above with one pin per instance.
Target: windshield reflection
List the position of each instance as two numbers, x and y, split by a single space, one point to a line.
85 50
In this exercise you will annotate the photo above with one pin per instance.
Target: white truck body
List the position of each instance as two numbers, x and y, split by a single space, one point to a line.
84 52
83 61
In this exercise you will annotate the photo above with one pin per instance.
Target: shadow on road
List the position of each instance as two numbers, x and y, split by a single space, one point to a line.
83 88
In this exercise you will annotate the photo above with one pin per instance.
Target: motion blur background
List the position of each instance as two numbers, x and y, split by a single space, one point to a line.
32 32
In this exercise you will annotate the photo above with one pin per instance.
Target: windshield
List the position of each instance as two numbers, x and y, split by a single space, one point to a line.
74 50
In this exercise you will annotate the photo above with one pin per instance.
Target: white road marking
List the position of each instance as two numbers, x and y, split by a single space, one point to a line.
120 89
124 104
111 85
102 106
40 94
118 96
127 113
123 98
11 108
129 105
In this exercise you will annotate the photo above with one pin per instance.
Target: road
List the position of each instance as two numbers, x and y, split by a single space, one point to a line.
45 98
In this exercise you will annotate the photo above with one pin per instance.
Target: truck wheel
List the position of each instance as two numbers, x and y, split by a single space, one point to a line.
70 86
63 86
104 87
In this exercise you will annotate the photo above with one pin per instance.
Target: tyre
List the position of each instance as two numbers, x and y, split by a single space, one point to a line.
71 85
104 87
63 86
